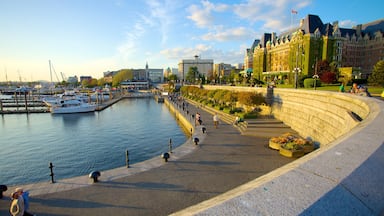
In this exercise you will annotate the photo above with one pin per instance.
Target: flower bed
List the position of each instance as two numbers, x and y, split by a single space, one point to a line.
290 145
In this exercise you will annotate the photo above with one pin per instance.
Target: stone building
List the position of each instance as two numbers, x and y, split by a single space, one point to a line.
296 52
204 66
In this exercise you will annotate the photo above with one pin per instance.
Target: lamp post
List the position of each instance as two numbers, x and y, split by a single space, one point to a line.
296 70
315 77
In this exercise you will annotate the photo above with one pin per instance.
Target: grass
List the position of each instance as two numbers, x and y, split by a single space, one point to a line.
372 89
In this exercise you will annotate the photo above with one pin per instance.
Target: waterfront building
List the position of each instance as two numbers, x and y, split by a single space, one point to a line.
296 52
87 78
204 66
135 84
220 71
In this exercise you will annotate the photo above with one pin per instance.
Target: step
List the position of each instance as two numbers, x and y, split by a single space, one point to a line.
267 125
267 133
263 121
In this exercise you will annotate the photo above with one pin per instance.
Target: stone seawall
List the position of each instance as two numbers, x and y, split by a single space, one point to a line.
180 117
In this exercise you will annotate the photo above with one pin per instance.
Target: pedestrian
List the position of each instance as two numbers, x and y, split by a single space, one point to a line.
237 120
198 119
216 120
20 203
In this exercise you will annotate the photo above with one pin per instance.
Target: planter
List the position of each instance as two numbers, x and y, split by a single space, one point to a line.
295 153
274 145
308 148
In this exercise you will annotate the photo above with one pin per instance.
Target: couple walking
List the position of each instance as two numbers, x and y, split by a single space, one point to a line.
20 203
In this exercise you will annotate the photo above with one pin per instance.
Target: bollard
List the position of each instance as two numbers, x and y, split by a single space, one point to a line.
3 188
127 158
94 175
165 156
196 141
51 168
204 129
170 145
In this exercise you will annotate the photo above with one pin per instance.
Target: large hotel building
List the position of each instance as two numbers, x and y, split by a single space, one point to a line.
296 52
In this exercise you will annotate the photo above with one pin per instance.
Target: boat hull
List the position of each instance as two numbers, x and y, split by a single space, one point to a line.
78 109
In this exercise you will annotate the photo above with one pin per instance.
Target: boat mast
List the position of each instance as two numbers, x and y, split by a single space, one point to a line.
50 72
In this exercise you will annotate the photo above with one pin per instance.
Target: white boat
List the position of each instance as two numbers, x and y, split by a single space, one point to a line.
67 95
63 106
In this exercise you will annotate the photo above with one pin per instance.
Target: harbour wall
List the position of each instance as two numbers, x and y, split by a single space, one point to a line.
343 176
180 117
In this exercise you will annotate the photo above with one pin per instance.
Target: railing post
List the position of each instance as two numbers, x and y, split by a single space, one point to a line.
170 145
127 158
51 168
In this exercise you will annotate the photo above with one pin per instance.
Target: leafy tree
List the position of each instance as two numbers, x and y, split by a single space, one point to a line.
124 74
172 77
322 67
192 74
101 82
377 76
328 77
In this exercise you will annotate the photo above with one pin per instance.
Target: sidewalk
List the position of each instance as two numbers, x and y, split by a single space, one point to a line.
223 160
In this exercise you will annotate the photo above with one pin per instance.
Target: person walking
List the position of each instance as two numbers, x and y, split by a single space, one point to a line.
18 204
216 120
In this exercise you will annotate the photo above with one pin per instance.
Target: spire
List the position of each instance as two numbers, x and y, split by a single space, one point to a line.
146 66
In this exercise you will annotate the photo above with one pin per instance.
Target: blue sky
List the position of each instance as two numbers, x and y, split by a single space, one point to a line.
88 37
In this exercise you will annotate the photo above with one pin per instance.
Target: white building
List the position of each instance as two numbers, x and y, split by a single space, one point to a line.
204 66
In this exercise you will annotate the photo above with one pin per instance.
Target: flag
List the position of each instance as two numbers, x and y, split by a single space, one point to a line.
294 11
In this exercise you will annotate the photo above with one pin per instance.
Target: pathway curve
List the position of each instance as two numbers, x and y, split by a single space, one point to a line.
222 161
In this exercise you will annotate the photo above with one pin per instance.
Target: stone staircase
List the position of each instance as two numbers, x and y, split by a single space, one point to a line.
264 127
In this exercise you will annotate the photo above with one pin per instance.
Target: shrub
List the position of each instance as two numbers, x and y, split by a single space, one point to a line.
309 83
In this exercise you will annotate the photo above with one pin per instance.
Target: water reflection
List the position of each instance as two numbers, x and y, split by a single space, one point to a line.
73 118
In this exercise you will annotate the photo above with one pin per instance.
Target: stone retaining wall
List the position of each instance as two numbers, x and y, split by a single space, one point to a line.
343 177
319 115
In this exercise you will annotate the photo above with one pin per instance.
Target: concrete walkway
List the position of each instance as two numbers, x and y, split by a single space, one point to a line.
222 161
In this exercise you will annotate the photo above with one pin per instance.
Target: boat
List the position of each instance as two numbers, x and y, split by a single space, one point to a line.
67 95
75 105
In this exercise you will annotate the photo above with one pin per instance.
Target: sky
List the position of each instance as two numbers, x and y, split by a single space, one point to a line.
89 37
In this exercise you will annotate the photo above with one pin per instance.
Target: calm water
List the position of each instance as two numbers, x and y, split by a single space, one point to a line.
79 143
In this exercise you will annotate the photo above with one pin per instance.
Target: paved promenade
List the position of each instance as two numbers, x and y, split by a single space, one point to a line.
223 160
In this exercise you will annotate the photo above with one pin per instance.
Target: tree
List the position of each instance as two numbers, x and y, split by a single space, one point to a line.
101 82
377 76
122 75
322 67
172 77
328 77
192 74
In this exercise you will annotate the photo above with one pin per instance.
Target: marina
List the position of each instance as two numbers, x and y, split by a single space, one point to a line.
79 143
28 103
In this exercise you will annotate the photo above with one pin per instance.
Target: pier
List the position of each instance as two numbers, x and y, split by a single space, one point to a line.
24 104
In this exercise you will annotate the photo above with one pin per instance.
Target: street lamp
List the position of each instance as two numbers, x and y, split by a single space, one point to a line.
315 77
296 70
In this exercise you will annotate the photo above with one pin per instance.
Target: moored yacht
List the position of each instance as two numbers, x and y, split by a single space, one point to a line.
71 106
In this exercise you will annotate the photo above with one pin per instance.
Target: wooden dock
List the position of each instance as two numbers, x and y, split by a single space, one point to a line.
37 107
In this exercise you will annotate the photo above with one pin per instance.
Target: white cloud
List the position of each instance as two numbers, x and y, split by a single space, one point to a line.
347 23
272 15
202 15
162 14
240 33
205 52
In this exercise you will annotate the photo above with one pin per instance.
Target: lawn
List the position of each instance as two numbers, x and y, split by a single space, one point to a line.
372 89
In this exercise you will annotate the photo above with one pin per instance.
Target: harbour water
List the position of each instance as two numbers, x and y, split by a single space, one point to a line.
76 144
